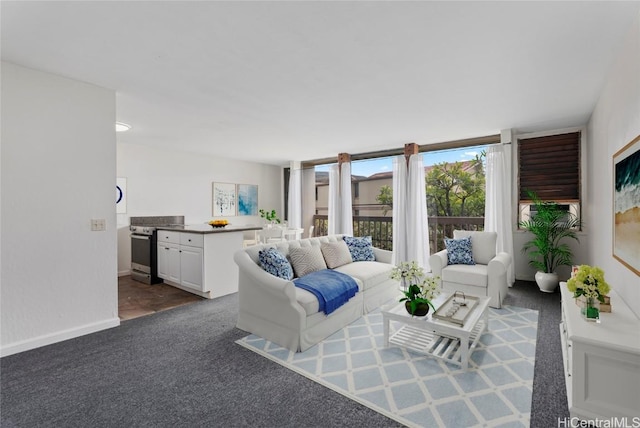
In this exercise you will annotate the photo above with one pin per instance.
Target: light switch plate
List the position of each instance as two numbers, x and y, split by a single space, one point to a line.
98 224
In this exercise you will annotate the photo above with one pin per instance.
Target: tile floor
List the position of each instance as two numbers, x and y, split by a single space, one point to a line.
136 299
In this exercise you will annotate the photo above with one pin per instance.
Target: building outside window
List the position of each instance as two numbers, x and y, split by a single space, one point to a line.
455 195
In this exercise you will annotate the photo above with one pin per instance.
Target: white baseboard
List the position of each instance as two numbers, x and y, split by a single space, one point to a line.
48 339
205 294
124 273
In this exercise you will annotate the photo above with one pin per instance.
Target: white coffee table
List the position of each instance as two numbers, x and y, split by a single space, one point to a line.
440 339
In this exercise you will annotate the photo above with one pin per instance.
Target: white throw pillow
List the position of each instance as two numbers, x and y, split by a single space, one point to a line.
336 254
306 260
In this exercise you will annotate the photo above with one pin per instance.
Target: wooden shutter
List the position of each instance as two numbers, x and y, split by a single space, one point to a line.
550 166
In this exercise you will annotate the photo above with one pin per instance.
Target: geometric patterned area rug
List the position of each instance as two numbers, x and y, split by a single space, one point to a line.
418 390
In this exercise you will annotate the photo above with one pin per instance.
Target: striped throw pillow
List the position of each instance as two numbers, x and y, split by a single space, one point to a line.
306 260
336 254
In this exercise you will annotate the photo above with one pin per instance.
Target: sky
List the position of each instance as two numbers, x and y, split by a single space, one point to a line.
373 166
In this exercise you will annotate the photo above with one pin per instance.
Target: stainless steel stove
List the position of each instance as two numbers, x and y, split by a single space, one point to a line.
144 245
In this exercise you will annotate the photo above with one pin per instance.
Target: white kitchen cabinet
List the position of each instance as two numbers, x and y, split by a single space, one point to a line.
191 267
192 239
163 261
169 261
168 255
200 263
180 264
168 236
601 360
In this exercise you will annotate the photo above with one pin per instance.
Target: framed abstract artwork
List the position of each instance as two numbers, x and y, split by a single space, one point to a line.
224 199
626 205
247 199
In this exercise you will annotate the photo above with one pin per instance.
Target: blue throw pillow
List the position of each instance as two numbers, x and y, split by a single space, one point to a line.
361 249
275 263
459 251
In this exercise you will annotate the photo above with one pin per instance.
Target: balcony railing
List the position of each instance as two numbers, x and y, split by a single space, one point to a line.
381 229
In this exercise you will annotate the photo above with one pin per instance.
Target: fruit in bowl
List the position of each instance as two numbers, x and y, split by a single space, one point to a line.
218 223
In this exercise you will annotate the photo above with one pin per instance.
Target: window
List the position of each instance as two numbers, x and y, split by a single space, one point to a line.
529 211
549 166
286 173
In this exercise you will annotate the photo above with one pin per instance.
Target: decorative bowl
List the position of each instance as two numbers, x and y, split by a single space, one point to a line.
218 223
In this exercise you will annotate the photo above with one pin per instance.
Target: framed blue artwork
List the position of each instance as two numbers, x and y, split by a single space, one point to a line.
626 205
247 199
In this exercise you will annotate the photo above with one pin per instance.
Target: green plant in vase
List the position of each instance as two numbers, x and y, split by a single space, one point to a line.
547 250
269 216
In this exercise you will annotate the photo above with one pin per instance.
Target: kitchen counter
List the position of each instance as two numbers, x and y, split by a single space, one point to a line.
198 258
206 229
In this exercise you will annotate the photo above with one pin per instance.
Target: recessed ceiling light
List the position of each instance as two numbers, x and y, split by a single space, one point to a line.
122 127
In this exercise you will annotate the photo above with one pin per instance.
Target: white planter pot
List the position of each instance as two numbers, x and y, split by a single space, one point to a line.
547 282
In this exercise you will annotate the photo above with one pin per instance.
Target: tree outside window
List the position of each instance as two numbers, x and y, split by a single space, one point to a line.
455 193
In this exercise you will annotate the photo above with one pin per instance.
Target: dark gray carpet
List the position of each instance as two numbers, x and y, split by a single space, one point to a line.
181 368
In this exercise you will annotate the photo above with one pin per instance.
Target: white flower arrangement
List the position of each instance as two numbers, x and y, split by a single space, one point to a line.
418 286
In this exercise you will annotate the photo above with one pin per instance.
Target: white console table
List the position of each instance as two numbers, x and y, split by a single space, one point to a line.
601 360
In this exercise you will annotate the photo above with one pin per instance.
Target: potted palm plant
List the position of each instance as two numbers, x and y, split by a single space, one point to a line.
550 226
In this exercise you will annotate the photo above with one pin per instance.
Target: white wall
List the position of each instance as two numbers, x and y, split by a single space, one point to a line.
168 182
614 123
58 171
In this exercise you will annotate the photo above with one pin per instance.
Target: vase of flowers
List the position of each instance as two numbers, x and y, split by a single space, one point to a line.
589 282
419 289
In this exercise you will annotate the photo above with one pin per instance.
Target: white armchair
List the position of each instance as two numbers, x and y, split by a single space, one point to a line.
487 278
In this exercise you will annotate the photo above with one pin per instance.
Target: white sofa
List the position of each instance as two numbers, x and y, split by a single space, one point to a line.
486 278
277 310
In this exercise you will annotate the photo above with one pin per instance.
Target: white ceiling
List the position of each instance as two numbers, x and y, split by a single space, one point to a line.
279 81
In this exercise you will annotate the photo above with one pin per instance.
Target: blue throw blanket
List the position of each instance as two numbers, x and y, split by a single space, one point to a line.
332 289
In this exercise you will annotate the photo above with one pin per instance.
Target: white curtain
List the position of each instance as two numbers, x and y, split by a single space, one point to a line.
295 196
399 210
410 218
417 233
346 207
334 200
497 211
